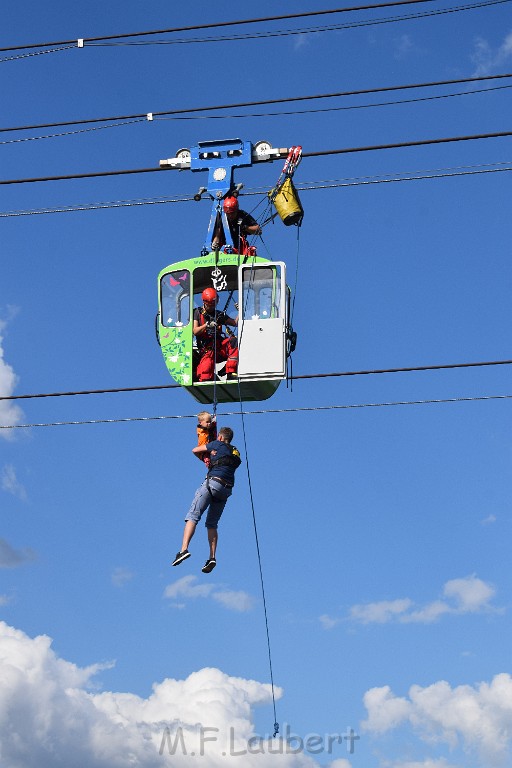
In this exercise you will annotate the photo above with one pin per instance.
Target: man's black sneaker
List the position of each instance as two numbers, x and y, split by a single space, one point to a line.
209 565
181 556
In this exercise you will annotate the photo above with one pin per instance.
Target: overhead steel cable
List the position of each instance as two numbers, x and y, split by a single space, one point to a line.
365 372
305 30
314 111
252 115
216 25
240 105
267 34
97 128
403 144
305 409
319 153
92 175
36 53
303 186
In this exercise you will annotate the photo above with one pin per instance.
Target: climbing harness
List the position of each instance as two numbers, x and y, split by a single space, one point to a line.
233 460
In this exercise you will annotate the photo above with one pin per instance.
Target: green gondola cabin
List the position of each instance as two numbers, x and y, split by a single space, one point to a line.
259 289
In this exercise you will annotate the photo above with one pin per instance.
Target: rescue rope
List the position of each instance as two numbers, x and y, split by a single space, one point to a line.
260 567
214 415
255 527
215 362
290 349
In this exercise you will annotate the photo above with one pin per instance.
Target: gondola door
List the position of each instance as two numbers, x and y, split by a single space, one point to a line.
263 323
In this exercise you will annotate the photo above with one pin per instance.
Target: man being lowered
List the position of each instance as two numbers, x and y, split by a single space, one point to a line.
212 494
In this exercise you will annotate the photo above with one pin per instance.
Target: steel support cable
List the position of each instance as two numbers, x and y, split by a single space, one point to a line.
83 130
214 25
319 153
36 53
403 144
239 105
305 186
287 113
306 409
319 110
307 30
100 206
366 372
433 173
271 34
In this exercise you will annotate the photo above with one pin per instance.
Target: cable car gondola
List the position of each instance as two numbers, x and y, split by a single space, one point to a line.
249 288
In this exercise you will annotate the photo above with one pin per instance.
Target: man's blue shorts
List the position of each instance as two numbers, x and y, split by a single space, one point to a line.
213 499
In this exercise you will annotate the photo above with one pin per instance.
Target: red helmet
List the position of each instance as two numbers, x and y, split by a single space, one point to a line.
209 295
230 205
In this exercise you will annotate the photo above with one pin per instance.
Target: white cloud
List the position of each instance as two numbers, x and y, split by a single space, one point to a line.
487 59
301 41
121 576
11 558
385 710
477 718
187 587
10 413
464 595
11 484
489 520
380 613
470 594
403 46
328 622
234 600
428 613
51 716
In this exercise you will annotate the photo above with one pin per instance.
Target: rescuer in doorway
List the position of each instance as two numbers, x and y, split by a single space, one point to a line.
212 494
212 344
240 223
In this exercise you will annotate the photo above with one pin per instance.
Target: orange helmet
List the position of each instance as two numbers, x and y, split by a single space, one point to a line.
209 295
230 205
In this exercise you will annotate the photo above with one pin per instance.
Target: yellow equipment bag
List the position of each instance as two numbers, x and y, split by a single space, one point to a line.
287 203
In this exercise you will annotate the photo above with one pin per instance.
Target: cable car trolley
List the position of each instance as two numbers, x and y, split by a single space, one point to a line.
223 321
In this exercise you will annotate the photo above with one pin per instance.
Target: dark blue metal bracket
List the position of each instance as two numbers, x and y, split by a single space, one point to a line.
220 158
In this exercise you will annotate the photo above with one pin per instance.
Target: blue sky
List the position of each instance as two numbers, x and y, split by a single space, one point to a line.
384 531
